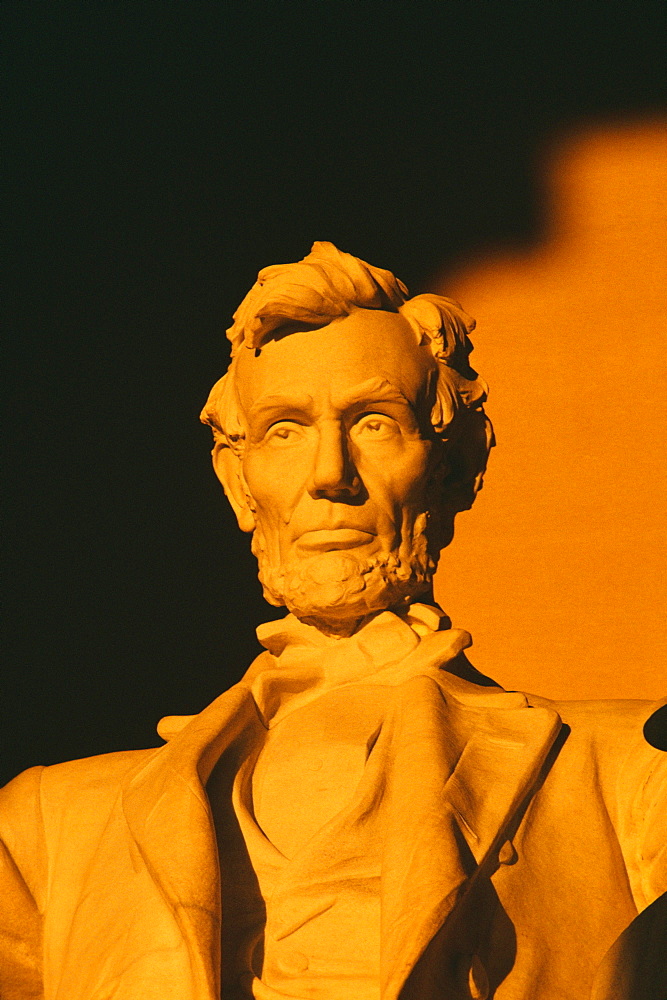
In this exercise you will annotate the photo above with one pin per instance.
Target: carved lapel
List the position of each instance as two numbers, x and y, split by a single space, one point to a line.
463 761
169 816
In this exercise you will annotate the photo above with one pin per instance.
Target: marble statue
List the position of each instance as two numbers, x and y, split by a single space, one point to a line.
363 815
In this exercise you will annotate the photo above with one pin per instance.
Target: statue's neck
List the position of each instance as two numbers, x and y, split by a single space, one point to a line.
343 628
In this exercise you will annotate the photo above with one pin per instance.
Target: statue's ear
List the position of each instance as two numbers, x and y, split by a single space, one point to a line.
229 471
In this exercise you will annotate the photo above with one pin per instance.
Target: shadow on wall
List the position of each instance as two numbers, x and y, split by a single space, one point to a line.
559 570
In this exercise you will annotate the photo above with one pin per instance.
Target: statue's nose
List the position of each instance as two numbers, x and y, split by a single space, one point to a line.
334 474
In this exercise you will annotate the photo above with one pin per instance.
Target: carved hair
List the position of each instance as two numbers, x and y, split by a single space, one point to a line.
328 284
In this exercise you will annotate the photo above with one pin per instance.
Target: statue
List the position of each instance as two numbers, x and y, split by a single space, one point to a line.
363 815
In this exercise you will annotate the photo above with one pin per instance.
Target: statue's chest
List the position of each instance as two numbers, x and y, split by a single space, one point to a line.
311 763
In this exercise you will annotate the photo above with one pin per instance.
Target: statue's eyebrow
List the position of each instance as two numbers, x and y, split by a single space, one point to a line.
276 405
374 390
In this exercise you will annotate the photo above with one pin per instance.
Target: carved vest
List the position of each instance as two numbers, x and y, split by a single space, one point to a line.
322 934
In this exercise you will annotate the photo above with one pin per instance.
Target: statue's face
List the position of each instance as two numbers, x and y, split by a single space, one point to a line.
338 460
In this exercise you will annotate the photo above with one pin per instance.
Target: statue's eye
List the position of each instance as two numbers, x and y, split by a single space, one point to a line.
285 432
375 427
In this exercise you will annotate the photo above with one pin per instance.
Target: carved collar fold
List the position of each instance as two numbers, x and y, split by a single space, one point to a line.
387 650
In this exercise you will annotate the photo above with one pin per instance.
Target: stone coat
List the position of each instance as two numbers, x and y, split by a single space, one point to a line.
522 837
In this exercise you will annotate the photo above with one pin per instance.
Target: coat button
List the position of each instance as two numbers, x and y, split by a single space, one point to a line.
507 854
294 962
478 981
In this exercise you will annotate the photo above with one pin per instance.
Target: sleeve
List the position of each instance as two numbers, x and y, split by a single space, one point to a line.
22 884
634 967
642 788
652 826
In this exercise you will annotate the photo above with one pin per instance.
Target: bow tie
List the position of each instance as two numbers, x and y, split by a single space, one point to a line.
387 650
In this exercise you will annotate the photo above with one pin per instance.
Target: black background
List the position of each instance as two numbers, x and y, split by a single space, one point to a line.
160 153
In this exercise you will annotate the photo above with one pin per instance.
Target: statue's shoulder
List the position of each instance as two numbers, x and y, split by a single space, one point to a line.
609 740
68 783
612 727
99 777
60 810
98 770
610 713
623 718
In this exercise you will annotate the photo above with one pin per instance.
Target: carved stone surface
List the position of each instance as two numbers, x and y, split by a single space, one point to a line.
363 815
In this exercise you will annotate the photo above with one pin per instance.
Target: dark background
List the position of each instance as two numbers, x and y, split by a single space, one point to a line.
159 155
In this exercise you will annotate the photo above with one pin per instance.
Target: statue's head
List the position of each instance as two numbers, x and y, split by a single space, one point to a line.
348 432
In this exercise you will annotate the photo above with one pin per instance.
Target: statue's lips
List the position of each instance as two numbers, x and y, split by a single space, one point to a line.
328 539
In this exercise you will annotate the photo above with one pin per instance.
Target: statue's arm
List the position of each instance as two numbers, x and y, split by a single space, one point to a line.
647 819
23 865
651 822
634 967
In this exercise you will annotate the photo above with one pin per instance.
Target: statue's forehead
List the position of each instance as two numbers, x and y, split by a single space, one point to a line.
365 346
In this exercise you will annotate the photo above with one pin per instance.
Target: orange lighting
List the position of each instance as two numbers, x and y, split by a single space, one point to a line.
559 571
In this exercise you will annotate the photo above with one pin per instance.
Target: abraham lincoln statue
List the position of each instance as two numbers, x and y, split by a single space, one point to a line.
363 816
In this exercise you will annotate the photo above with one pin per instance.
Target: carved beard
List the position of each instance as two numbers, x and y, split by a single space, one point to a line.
331 588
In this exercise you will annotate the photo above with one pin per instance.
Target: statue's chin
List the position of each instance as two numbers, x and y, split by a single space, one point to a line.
335 591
